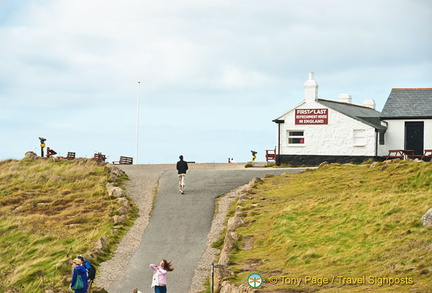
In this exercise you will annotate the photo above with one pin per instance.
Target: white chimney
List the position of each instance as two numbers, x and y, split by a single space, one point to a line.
369 103
311 88
345 98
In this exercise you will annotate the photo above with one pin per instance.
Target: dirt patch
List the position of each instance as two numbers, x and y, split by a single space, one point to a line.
251 264
248 242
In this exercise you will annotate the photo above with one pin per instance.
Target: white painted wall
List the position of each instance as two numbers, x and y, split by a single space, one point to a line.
395 135
428 134
335 138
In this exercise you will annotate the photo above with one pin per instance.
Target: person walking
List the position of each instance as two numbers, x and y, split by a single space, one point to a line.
182 167
79 281
91 271
159 281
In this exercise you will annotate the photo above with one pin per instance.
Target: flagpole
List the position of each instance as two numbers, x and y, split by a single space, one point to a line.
138 120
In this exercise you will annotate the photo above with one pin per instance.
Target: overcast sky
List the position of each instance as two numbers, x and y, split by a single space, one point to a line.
213 74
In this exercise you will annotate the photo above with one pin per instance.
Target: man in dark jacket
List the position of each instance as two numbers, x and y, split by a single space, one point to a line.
182 167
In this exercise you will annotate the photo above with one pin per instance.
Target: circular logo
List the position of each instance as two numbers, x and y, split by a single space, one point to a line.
255 280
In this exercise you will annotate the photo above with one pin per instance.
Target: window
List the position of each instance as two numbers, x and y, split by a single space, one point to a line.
381 137
295 137
359 137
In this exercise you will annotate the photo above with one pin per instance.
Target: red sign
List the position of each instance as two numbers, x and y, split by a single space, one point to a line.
311 116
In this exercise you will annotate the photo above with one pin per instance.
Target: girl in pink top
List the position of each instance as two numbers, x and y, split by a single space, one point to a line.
159 277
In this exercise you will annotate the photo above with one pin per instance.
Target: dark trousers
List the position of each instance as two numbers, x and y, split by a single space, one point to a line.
160 289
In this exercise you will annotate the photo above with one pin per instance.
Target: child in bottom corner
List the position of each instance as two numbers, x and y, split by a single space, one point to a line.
159 281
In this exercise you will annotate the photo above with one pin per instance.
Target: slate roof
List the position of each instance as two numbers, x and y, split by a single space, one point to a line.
406 103
363 114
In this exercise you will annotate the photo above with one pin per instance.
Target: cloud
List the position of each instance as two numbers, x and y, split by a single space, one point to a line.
232 77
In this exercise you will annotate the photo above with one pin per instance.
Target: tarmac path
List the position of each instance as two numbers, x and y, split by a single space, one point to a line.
179 223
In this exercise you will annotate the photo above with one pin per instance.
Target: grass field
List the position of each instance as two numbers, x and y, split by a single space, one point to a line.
339 229
334 229
50 212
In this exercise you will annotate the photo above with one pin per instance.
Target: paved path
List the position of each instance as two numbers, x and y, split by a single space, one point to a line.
179 225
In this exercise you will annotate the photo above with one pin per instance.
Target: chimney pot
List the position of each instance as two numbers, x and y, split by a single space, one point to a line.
345 98
370 104
311 75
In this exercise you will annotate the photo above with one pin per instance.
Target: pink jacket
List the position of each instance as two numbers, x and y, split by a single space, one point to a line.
161 274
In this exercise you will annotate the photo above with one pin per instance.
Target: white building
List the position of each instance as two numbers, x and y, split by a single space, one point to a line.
408 115
320 130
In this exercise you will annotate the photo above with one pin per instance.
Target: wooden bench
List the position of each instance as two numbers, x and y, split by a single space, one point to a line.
402 154
124 161
270 155
411 155
99 157
395 154
427 155
70 156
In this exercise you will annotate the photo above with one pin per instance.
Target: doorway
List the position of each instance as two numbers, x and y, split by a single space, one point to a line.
414 136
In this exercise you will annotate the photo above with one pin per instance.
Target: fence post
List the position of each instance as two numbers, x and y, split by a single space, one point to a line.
212 278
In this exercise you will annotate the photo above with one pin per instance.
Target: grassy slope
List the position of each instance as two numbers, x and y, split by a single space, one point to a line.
49 213
347 221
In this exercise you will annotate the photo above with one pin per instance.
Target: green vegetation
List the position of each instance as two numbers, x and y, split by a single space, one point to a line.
50 212
359 227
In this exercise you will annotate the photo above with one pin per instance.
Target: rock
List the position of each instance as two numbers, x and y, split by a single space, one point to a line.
229 243
30 155
116 171
426 271
124 202
17 208
114 191
373 165
119 219
230 288
383 167
220 273
122 211
101 243
234 222
427 218
324 165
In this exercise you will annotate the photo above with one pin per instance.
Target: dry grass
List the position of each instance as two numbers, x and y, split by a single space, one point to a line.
49 213
339 222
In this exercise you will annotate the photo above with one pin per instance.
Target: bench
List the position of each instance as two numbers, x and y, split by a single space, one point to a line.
124 161
402 154
395 154
99 157
427 155
270 155
70 156
411 155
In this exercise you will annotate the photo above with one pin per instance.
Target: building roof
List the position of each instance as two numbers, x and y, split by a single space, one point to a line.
363 114
408 103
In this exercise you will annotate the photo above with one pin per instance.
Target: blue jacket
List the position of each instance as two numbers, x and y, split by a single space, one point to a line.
80 270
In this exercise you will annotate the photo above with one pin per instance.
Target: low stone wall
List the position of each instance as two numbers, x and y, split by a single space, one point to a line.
221 270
